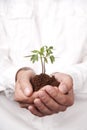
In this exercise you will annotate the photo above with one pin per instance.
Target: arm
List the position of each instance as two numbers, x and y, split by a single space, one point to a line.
6 64
79 72
53 100
7 69
46 101
63 100
77 77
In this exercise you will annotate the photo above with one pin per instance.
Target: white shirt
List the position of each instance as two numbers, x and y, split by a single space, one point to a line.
26 25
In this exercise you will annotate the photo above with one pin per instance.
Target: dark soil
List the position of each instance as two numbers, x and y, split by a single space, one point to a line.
41 80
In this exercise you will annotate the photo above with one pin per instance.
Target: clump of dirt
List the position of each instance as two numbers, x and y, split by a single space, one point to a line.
41 80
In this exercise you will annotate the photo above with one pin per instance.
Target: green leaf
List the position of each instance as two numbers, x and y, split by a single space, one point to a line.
51 47
44 54
52 58
34 58
35 51
42 50
49 51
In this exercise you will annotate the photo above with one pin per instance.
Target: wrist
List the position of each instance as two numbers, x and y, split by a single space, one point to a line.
23 69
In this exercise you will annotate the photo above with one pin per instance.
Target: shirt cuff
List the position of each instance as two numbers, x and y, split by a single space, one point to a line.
2 89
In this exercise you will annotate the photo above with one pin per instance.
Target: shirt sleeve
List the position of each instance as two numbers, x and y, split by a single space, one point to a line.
14 35
11 60
79 73
7 69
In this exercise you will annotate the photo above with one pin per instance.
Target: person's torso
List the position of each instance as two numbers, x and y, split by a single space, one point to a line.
28 26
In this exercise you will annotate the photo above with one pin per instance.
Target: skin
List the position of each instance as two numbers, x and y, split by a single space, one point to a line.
48 100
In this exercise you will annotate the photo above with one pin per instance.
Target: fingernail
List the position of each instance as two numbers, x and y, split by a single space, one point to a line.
27 91
63 88
30 107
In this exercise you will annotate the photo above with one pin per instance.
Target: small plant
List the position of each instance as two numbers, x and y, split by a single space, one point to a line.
44 54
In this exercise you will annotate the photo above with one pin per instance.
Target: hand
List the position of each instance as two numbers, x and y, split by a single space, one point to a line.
23 87
52 99
66 81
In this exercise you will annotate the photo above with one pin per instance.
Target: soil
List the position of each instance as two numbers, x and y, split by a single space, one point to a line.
41 80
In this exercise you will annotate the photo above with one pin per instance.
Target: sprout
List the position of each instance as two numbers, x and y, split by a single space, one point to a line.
44 54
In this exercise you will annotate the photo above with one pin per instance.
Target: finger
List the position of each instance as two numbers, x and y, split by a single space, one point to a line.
70 97
24 78
21 98
19 95
34 111
63 88
57 75
50 103
42 108
66 81
26 87
67 100
63 99
23 105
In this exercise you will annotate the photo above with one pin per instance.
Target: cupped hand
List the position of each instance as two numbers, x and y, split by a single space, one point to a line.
23 87
52 100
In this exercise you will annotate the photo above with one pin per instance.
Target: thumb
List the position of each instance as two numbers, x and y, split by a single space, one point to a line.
26 87
63 88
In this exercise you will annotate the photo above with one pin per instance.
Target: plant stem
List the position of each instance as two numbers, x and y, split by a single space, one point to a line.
44 66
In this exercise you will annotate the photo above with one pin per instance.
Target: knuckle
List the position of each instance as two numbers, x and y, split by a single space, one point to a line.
63 109
56 109
40 115
50 113
44 97
46 100
64 101
71 102
16 98
52 91
19 98
35 112
40 106
21 105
